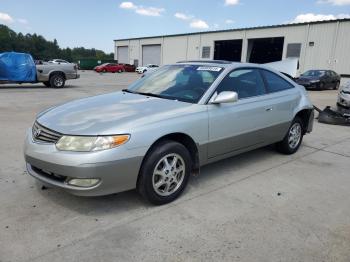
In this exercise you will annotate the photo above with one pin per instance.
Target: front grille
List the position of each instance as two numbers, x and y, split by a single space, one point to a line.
43 134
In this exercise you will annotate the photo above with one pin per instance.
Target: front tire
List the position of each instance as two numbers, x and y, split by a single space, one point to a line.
322 86
292 141
164 173
57 81
336 86
47 84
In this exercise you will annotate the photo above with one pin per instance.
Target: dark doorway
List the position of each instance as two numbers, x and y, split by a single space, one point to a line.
230 50
265 50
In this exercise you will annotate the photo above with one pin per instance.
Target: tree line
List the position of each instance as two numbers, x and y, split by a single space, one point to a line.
42 49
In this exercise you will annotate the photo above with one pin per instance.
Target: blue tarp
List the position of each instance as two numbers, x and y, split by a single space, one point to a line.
17 67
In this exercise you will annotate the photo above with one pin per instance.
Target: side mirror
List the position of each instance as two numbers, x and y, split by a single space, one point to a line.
225 97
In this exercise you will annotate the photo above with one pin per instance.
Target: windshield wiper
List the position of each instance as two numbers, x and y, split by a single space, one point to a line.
145 93
129 91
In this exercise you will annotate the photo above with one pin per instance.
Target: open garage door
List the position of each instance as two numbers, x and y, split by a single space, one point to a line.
265 50
151 54
230 50
123 54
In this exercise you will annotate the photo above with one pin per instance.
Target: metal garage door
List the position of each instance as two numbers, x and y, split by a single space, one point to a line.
123 54
151 54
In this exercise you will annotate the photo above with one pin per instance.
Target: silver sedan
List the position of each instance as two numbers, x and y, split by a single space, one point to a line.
155 134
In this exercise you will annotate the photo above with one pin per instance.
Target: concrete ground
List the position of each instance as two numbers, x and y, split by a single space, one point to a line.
260 206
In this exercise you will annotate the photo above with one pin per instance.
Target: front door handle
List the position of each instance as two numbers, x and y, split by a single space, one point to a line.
268 109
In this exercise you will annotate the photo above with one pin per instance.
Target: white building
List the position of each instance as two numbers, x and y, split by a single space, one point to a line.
318 45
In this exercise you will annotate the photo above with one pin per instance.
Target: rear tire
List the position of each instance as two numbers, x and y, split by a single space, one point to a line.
164 173
292 140
47 84
57 81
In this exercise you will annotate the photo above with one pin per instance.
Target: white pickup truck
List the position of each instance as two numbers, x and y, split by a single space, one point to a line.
55 75
18 68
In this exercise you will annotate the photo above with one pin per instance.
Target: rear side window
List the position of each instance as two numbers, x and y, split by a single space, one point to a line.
275 83
246 82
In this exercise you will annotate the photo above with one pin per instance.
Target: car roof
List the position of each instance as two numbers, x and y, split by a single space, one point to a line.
228 65
224 64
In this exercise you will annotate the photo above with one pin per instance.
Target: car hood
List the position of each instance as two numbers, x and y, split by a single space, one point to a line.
109 114
346 88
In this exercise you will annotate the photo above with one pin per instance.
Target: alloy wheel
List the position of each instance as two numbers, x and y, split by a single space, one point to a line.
58 81
168 174
294 135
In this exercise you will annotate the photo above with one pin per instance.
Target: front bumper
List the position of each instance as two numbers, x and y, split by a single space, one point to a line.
116 168
344 99
309 85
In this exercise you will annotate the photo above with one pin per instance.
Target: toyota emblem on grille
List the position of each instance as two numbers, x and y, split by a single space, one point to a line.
37 133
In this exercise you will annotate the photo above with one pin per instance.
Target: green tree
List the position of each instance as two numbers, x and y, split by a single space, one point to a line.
42 49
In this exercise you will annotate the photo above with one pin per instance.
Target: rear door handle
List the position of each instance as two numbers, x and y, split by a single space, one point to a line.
268 109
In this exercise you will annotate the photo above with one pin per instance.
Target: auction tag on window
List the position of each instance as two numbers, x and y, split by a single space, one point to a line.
209 68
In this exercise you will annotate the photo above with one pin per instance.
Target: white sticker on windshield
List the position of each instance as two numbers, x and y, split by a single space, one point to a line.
209 68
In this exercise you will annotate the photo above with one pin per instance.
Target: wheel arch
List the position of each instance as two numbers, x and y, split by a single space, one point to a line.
57 73
182 138
306 116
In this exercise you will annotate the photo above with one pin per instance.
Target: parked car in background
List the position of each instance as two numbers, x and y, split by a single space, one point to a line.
128 68
155 134
344 95
58 61
149 67
111 68
319 79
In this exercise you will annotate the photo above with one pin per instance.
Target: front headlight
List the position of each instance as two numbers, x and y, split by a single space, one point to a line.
90 143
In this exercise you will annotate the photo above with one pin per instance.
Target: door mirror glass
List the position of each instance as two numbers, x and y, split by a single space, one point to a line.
225 97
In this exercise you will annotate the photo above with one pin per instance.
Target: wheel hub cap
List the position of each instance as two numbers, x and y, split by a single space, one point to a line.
58 82
294 135
168 174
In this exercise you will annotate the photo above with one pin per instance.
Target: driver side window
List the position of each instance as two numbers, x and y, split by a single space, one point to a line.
245 82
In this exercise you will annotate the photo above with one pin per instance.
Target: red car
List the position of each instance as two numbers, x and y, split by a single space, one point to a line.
128 67
108 67
113 68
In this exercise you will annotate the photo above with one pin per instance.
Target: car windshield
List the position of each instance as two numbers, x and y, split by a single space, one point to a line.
314 73
185 83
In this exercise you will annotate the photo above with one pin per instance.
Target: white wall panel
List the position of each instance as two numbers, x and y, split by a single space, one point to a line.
330 50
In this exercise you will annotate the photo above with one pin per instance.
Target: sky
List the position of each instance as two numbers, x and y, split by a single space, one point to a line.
96 23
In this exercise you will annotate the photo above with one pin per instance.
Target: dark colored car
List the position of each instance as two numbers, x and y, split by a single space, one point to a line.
108 67
128 67
319 79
